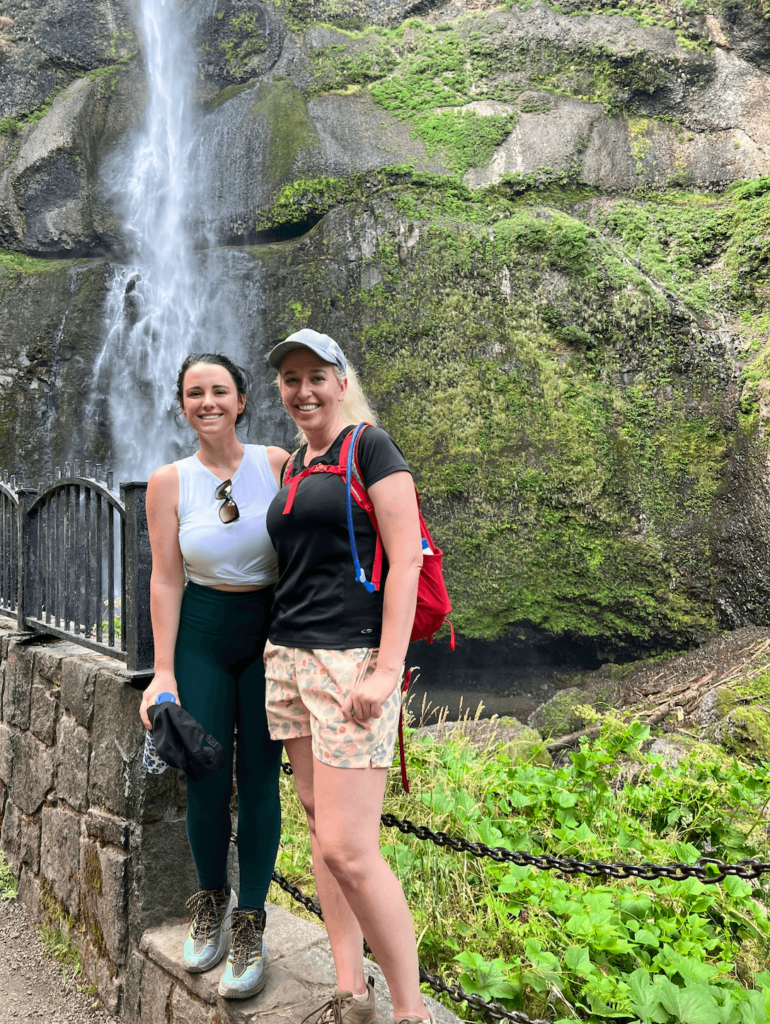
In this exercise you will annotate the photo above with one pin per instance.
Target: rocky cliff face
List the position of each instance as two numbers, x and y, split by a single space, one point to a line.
541 231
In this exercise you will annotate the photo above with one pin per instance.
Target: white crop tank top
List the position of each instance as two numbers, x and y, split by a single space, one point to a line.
214 552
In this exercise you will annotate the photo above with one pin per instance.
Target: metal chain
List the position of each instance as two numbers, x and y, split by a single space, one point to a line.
706 869
494 1011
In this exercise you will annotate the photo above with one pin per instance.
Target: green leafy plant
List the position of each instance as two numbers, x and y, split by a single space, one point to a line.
9 887
574 948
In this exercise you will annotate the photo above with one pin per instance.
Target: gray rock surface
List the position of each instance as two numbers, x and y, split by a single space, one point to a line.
60 854
72 750
300 977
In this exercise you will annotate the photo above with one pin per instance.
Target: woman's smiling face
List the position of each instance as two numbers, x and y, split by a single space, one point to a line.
211 402
310 390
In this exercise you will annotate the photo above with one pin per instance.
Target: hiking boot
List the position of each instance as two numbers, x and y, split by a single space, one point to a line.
415 1020
209 932
245 971
344 1008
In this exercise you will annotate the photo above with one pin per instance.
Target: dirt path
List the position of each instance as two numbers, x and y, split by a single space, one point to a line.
31 986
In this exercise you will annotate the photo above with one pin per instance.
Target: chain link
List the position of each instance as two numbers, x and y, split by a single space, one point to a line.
706 869
494 1011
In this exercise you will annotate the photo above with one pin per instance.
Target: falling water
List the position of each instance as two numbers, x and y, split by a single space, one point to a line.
169 301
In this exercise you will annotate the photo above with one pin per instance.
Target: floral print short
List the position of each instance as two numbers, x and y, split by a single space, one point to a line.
304 696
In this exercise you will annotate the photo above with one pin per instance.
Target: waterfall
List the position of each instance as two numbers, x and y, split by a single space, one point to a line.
168 300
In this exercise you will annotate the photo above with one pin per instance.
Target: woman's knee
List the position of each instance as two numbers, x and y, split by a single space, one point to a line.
209 798
348 861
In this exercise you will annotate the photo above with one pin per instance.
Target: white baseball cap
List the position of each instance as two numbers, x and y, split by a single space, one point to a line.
323 346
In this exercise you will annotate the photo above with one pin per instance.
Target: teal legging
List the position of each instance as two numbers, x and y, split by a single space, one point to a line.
221 678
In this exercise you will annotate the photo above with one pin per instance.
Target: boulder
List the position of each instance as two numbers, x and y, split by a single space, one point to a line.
560 715
745 731
506 734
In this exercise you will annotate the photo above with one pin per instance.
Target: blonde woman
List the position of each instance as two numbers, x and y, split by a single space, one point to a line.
333 665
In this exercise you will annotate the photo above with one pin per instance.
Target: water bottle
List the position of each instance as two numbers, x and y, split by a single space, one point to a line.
151 763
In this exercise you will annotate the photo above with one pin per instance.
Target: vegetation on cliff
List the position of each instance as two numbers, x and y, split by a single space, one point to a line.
548 358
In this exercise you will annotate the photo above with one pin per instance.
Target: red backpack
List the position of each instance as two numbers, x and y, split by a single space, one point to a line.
433 604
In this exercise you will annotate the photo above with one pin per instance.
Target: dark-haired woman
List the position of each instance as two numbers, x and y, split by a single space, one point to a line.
206 517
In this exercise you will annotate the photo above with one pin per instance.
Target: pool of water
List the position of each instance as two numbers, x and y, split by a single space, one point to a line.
507 677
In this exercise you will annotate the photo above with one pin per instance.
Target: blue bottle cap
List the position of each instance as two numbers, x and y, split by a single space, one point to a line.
165 697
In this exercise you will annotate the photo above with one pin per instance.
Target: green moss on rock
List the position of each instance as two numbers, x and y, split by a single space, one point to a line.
746 732
246 41
291 130
496 366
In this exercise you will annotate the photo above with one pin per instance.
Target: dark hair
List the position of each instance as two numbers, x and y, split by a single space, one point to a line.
241 377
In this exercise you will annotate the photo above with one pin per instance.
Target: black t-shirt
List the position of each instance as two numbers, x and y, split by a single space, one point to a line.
317 601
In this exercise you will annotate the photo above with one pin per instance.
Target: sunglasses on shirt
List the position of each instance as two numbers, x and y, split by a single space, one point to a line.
228 510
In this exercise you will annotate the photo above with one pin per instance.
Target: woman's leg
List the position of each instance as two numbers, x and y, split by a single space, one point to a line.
207 691
341 923
258 763
347 809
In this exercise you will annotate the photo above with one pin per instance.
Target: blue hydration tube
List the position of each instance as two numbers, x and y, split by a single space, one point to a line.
360 574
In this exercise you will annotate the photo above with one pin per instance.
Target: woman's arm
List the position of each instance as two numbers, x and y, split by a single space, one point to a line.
166 581
395 505
277 457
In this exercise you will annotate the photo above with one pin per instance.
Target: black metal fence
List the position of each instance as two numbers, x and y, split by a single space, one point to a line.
75 562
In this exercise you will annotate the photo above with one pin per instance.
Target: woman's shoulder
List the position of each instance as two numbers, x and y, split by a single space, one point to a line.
163 487
379 455
275 456
164 475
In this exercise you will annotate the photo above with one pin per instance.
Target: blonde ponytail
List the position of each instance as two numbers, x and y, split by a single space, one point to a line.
355 405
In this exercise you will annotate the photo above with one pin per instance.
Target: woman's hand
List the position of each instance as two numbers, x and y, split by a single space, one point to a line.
164 682
365 701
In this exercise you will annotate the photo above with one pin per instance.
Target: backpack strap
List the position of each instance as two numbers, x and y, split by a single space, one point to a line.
354 488
401 751
288 467
295 480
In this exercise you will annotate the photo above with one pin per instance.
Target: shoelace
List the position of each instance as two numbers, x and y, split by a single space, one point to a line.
329 1013
205 908
247 933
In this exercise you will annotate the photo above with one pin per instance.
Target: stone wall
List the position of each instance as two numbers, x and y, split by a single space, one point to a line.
89 835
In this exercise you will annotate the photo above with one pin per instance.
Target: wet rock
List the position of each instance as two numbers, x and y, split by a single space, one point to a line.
560 715
745 731
512 738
